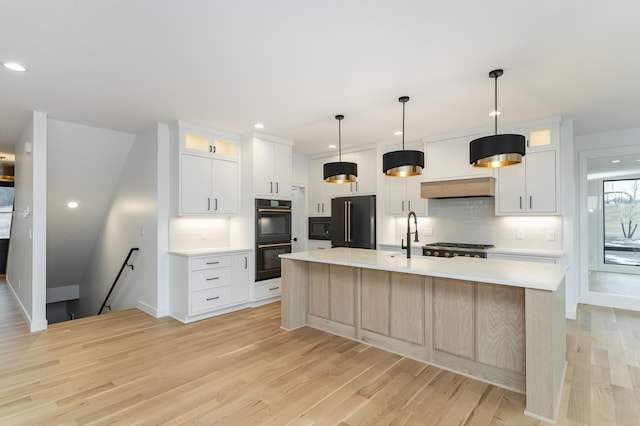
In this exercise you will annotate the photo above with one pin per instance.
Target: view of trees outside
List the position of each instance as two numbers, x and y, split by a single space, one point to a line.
621 216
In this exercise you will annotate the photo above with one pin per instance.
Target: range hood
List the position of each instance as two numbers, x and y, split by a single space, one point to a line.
459 188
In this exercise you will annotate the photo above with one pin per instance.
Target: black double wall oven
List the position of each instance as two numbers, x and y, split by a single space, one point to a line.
273 236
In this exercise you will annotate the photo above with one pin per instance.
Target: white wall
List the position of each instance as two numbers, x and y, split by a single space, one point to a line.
300 172
26 265
84 165
132 220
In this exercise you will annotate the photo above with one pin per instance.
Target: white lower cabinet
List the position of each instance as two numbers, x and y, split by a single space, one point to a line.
208 285
267 289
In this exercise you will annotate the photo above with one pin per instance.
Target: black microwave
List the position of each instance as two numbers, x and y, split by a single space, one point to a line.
320 228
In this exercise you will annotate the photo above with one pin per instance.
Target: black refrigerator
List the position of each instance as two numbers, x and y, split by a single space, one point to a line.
353 222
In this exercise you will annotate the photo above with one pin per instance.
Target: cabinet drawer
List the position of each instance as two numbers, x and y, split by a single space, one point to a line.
267 290
210 262
209 278
206 300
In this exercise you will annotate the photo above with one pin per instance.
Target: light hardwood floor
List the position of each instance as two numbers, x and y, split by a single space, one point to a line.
237 369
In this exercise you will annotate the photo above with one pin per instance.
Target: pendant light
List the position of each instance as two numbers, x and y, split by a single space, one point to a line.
340 171
406 162
496 150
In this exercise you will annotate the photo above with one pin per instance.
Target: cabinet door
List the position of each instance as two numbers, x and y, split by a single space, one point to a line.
366 180
342 294
318 303
397 195
453 317
196 186
414 201
225 187
282 169
196 141
375 297
449 159
240 277
500 326
263 167
316 183
407 307
541 182
511 188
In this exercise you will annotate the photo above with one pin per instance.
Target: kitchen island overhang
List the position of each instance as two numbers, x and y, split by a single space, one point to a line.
502 322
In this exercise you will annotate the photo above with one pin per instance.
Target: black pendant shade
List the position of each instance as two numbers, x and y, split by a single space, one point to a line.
405 162
497 150
340 171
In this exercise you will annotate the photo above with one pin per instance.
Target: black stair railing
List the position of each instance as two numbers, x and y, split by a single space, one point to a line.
124 265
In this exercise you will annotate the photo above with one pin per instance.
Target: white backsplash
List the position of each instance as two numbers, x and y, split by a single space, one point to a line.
473 220
198 233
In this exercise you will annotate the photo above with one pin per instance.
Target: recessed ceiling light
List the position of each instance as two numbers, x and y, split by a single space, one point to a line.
259 126
615 161
397 132
72 204
13 66
494 113
332 146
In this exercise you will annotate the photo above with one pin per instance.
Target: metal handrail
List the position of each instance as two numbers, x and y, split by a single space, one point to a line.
125 264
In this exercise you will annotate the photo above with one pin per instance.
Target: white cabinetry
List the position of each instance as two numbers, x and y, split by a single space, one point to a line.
404 196
447 158
271 167
205 286
204 170
319 244
321 192
531 187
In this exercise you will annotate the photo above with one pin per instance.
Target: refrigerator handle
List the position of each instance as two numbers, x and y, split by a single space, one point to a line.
346 225
349 214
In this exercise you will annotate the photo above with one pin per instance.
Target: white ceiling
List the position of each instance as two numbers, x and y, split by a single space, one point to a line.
294 64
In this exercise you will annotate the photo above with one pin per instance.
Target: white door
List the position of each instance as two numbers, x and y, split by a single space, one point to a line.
298 218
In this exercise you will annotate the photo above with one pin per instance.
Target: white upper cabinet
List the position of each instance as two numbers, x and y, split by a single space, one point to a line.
204 171
447 158
320 192
531 188
272 168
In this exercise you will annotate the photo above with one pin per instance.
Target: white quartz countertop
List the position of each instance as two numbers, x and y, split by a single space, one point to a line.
208 251
494 271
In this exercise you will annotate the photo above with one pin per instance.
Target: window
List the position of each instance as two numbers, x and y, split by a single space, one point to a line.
621 215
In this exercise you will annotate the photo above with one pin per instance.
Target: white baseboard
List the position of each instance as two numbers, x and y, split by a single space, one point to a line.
33 325
147 309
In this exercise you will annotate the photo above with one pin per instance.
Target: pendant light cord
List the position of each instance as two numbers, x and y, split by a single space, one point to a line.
339 141
403 104
495 109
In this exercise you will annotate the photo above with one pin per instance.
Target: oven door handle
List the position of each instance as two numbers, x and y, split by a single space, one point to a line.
274 210
260 246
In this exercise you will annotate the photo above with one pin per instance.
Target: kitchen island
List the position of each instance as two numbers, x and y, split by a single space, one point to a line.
499 321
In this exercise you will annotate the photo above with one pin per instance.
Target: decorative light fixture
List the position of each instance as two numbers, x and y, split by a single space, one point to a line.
340 171
406 162
496 150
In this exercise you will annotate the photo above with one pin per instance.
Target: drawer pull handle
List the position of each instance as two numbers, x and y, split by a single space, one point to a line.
213 263
274 288
213 298
214 278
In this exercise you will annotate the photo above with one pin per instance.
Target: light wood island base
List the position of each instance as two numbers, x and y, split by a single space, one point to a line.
510 336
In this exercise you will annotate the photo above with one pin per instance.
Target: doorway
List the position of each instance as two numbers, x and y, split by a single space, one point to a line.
609 216
298 218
